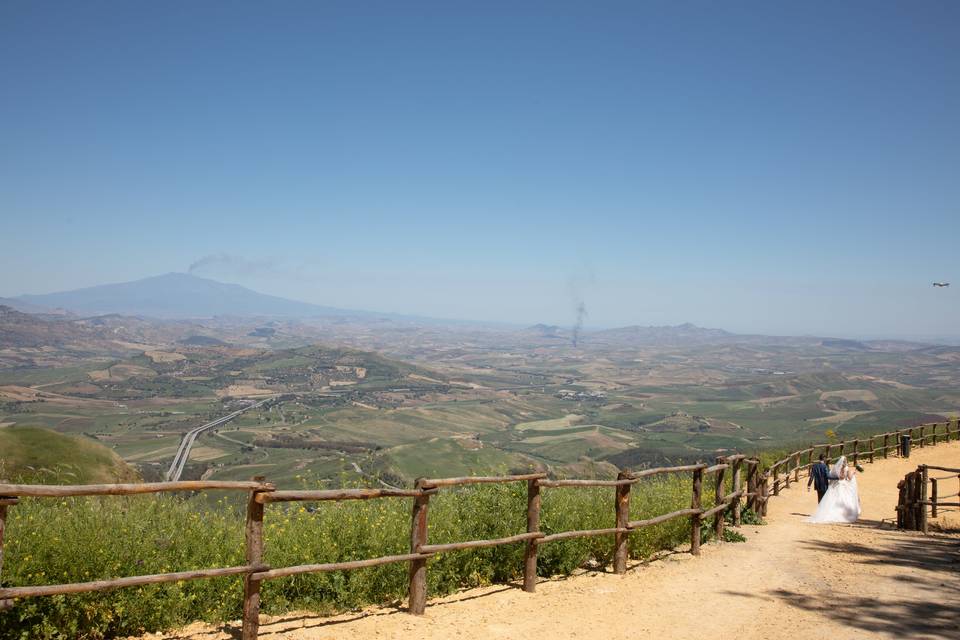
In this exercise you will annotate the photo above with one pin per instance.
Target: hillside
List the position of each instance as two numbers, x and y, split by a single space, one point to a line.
19 330
47 456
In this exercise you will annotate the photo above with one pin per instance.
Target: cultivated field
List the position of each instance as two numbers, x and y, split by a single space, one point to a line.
395 401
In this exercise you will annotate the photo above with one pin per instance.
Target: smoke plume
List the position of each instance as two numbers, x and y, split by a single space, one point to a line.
224 264
581 312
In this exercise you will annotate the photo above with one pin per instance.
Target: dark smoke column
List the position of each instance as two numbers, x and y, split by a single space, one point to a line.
578 325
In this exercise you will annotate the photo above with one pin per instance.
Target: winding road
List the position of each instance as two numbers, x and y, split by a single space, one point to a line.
186 444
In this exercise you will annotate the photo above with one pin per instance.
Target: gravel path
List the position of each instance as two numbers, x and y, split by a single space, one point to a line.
863 580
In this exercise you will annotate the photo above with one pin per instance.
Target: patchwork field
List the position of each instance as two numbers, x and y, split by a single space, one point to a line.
452 401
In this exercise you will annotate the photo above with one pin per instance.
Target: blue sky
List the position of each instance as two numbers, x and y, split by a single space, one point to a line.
757 166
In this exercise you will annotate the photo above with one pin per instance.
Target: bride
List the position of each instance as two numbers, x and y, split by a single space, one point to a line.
841 503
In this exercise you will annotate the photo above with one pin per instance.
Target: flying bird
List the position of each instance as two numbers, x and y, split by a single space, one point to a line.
941 284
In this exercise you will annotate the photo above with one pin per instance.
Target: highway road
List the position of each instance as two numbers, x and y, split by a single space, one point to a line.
186 444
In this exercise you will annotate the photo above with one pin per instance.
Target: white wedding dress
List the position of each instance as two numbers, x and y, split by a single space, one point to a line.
841 502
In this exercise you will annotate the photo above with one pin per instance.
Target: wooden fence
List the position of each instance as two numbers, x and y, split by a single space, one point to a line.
919 490
859 450
748 482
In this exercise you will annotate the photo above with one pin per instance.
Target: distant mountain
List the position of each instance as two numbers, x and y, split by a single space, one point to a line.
682 333
179 295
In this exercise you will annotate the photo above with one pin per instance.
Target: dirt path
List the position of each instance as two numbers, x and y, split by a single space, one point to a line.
867 580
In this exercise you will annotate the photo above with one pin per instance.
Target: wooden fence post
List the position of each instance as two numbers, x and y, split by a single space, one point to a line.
764 494
254 555
776 480
4 503
736 487
933 497
886 445
923 498
908 506
533 525
873 446
900 503
917 507
695 519
718 498
756 487
752 486
418 537
623 519
856 451
914 500
3 524
922 436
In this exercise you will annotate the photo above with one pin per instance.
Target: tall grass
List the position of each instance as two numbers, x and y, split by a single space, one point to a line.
80 539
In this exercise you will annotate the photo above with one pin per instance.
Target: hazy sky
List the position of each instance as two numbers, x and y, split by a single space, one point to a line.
763 166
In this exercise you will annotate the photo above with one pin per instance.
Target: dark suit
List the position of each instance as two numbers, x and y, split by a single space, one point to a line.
820 478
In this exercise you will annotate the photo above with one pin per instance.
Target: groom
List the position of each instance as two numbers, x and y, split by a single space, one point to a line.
819 477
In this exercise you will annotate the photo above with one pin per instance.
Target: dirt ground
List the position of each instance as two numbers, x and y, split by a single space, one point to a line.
790 577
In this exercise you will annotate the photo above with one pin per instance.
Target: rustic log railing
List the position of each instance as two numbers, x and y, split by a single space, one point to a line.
754 489
855 449
919 490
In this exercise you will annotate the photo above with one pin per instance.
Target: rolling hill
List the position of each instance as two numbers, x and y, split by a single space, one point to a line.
41 455
680 334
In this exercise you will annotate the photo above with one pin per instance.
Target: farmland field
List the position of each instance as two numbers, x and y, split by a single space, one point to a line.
350 405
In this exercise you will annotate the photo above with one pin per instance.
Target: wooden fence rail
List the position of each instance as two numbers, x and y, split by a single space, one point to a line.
752 484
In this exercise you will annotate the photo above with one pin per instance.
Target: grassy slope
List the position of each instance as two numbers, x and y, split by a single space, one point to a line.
47 455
